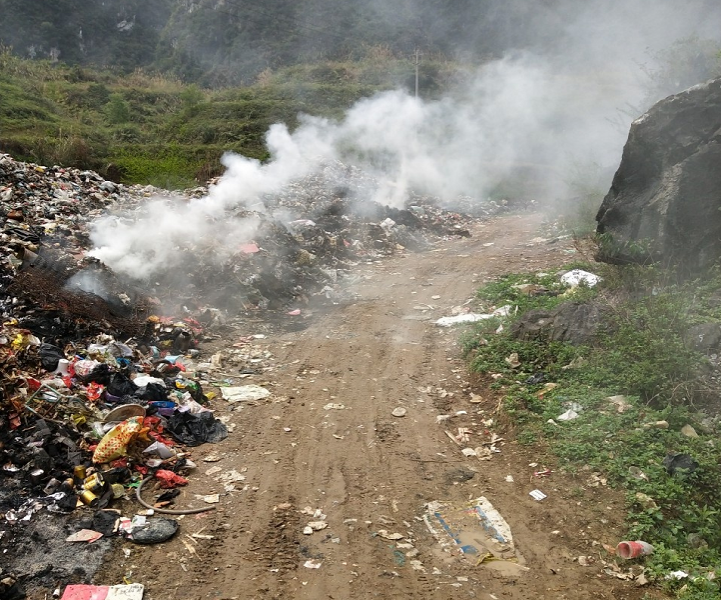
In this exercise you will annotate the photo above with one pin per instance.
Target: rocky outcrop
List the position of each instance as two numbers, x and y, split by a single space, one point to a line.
665 200
572 322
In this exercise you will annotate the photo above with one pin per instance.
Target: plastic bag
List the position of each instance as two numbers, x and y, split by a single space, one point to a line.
168 479
115 443
50 356
193 430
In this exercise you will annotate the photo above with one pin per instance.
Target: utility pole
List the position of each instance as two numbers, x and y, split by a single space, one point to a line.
417 63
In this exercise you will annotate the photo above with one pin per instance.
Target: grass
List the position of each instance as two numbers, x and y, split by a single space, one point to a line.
641 355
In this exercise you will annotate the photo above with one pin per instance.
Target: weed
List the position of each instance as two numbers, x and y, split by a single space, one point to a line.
642 355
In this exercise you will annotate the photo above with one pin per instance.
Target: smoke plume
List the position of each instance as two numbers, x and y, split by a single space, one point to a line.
543 113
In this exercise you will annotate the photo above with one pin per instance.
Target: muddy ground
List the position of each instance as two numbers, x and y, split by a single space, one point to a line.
372 474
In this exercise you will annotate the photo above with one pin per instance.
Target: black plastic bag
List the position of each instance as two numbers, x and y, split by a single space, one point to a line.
153 392
193 430
120 385
100 374
50 356
683 464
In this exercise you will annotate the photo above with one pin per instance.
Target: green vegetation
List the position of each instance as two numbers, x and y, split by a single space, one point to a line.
640 354
151 129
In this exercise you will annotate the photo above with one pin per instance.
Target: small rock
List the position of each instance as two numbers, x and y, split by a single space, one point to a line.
390 536
656 425
399 412
689 431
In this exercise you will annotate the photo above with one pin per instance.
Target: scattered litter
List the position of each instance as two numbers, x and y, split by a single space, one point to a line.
334 406
680 463
472 317
479 531
312 564
577 277
390 536
315 526
114 444
84 535
596 480
134 591
169 480
244 393
677 575
537 495
417 565
512 360
154 531
576 363
622 405
569 415
509 478
126 411
546 388
646 501
635 549
637 473
656 425
535 379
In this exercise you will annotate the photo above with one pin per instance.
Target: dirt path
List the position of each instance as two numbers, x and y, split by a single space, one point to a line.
326 441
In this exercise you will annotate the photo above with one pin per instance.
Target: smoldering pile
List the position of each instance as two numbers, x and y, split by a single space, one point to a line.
306 240
46 282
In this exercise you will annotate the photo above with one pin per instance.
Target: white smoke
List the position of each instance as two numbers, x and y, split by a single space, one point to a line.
88 282
547 112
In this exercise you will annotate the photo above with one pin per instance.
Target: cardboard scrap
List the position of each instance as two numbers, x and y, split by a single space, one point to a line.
134 591
476 531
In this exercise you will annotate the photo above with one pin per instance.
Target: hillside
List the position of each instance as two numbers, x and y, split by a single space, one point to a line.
144 128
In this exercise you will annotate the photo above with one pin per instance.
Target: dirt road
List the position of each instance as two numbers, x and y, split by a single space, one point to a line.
326 448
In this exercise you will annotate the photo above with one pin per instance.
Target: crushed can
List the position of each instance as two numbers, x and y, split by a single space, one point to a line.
94 483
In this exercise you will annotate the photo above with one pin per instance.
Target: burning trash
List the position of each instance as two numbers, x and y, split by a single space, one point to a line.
101 348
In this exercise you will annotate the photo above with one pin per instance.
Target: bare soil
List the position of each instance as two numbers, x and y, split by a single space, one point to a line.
368 471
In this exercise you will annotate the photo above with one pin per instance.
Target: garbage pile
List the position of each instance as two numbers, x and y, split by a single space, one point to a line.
88 425
100 394
310 236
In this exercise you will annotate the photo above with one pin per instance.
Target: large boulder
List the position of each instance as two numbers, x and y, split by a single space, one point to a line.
665 200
